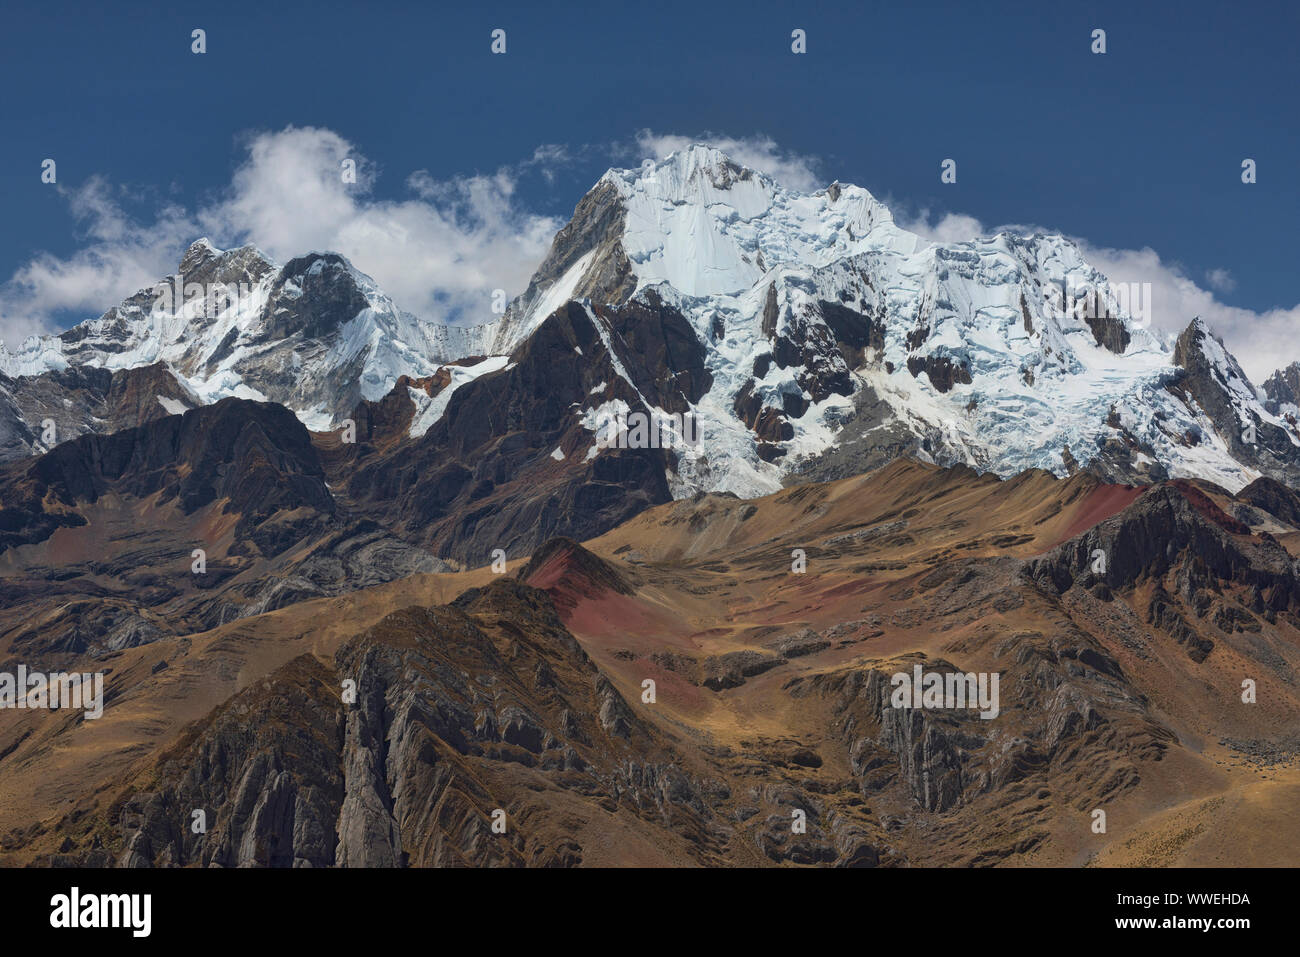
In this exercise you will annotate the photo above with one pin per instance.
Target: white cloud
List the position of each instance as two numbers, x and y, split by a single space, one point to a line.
950 228
119 258
1261 341
438 253
1221 280
757 152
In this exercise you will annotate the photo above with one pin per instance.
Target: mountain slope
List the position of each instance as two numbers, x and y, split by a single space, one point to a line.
1120 691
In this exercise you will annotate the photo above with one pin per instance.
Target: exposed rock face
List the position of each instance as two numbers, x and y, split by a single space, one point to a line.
1215 381
660 351
771 312
1173 527
265 773
462 715
486 474
1126 459
324 296
874 437
1108 330
731 670
1162 612
855 333
471 723
521 695
202 265
595 230
1201 565
256 456
943 372
768 422
240 481
315 335
1069 695
1273 497
356 556
563 564
1283 387
81 400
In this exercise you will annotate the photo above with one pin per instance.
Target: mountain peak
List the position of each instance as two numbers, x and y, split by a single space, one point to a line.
1283 387
682 163
1199 337
204 262
696 175
700 157
199 252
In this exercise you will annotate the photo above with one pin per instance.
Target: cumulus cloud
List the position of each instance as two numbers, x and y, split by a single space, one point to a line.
118 257
1261 341
948 228
1221 280
439 252
760 153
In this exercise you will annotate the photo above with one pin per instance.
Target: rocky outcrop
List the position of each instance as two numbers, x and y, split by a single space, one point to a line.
1108 331
596 229
255 457
941 370
1214 380
257 784
563 567
1283 388
486 474
1273 497
81 400
1173 527
423 743
1060 697
855 333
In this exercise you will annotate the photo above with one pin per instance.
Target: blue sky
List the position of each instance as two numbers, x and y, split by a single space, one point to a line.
1137 152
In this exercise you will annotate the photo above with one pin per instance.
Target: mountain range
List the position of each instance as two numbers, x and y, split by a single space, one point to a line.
822 339
247 486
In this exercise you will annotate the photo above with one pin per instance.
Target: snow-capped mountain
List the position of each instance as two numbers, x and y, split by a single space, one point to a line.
832 340
838 340
315 335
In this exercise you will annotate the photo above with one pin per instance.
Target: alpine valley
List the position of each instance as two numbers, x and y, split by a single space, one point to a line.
358 579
